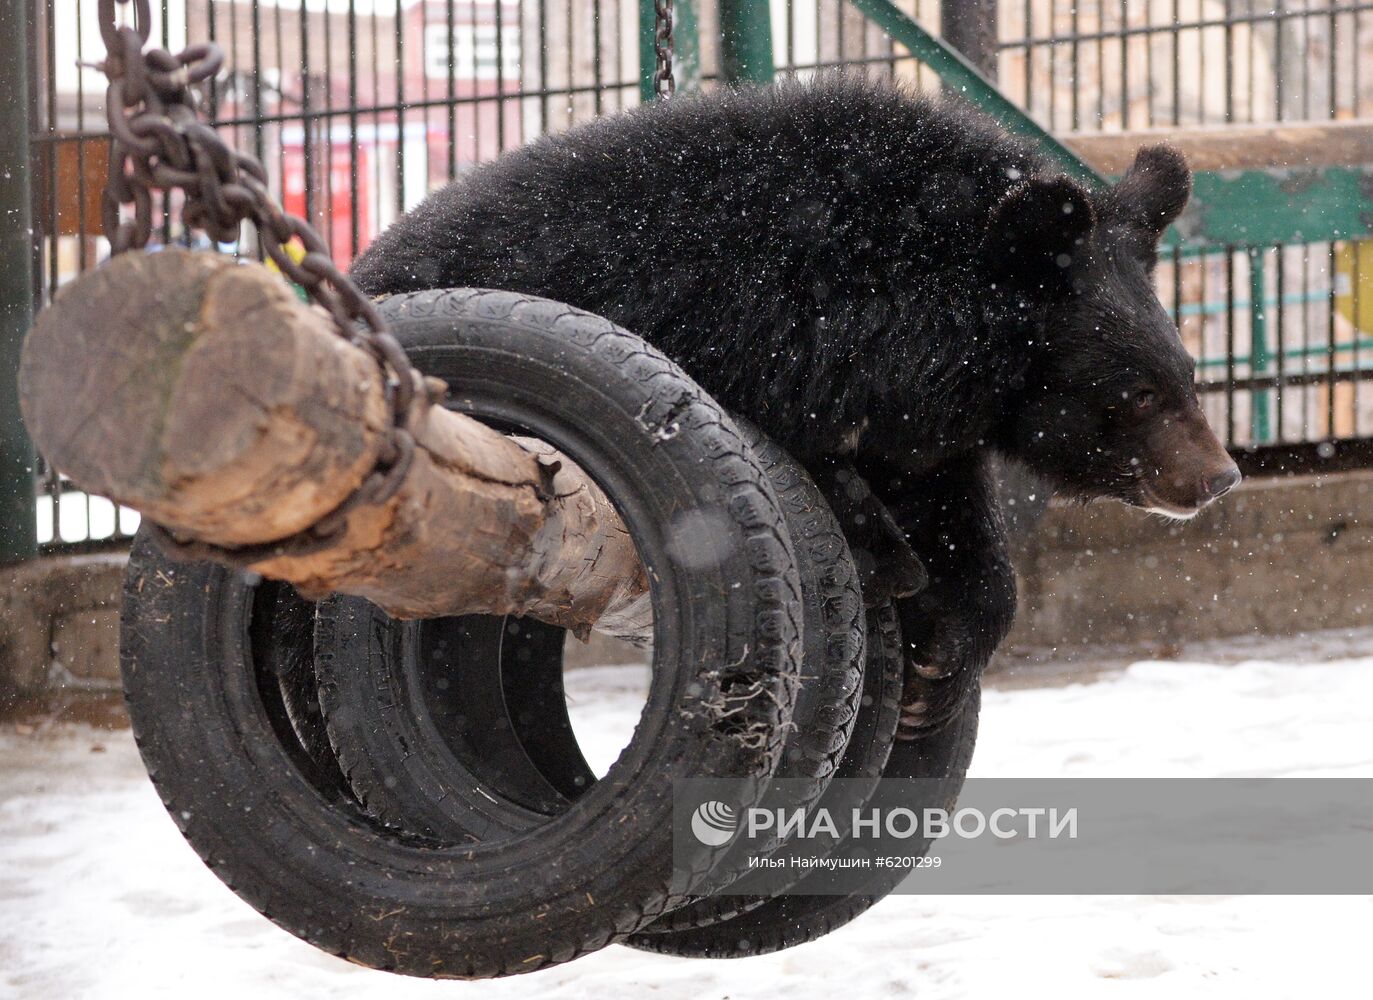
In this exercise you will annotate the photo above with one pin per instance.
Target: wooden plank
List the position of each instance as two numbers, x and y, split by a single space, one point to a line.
1213 148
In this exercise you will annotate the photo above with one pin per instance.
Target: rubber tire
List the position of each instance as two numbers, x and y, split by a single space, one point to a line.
832 684
513 663
418 721
214 735
796 917
536 704
401 757
834 627
863 763
282 644
447 764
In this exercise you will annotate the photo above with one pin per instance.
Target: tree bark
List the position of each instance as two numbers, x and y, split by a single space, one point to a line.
201 392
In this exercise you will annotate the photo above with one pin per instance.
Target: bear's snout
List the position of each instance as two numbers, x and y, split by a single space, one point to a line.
1216 486
1191 468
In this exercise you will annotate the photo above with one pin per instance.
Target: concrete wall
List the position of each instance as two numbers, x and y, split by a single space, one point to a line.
59 625
1277 557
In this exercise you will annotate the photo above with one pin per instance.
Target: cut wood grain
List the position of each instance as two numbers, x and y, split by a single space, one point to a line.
201 392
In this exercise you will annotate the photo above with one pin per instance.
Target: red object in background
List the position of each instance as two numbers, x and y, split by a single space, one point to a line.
334 196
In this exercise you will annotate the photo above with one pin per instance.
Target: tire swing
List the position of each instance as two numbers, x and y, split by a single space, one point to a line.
414 766
219 740
404 789
410 760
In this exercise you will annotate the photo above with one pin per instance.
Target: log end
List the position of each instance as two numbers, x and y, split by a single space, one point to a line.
202 391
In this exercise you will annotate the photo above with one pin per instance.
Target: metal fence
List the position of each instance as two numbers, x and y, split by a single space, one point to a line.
1281 331
359 108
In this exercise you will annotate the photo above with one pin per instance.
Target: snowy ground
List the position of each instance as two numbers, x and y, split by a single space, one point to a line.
100 897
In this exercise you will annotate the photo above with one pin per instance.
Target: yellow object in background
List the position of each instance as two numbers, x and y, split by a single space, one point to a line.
1354 284
297 253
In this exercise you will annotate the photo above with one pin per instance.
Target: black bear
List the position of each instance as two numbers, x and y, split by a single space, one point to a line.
873 278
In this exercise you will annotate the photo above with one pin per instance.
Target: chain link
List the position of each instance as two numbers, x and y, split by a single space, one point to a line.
664 84
158 142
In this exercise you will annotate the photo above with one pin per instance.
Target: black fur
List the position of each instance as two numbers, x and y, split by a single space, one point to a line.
868 276
809 254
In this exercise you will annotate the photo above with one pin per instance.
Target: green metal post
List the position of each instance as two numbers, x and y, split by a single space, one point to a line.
18 526
648 62
746 41
686 49
1261 418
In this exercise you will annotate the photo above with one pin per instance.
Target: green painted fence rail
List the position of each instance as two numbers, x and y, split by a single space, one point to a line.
18 501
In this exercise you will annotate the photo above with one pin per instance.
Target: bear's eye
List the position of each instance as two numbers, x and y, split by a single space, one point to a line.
1144 400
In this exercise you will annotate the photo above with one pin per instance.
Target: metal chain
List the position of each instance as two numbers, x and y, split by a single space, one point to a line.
158 141
664 84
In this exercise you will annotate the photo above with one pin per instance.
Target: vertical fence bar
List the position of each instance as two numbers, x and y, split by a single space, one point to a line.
1280 390
354 222
50 143
686 60
746 41
1331 382
970 27
648 59
1261 418
18 524
1229 346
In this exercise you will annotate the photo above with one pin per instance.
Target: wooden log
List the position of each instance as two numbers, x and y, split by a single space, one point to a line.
201 392
1299 145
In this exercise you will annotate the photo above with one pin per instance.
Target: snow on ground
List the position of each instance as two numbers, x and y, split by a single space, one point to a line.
101 898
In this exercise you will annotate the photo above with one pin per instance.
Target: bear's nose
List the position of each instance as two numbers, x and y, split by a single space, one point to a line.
1213 487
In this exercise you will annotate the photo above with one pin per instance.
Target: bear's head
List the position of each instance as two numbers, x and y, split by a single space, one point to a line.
1108 407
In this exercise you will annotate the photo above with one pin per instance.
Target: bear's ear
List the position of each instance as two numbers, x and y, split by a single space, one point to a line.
1037 229
1154 191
